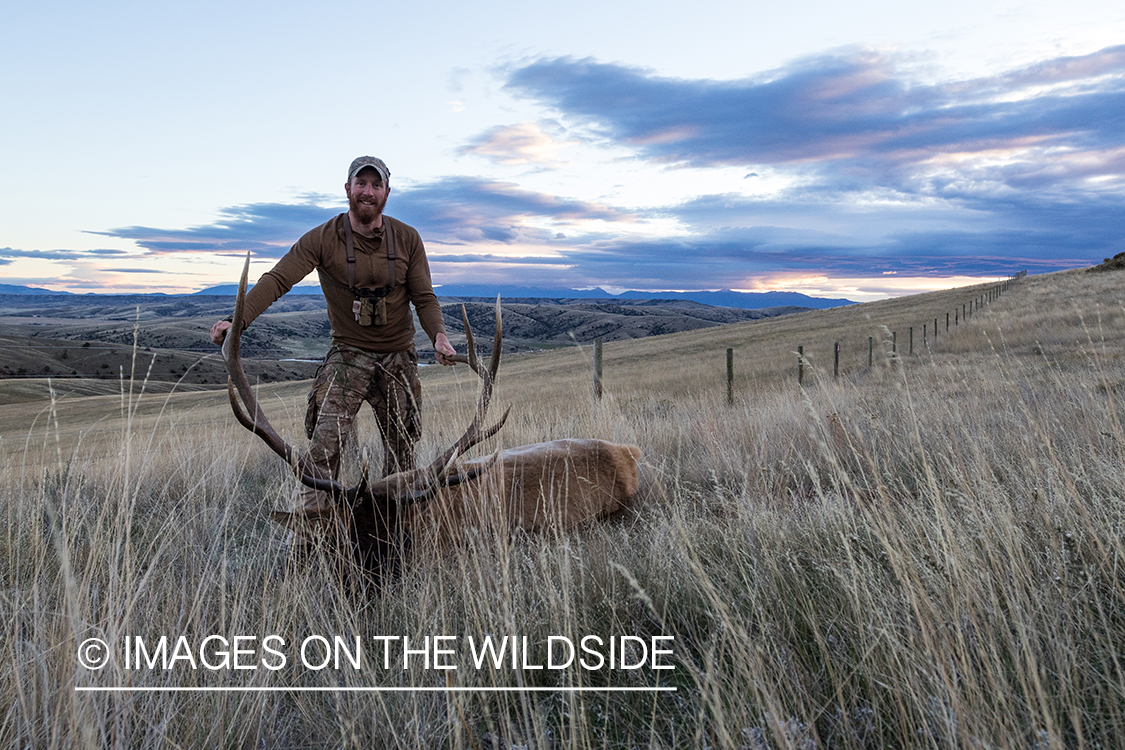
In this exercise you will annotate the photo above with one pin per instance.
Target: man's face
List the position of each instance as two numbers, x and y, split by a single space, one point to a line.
367 195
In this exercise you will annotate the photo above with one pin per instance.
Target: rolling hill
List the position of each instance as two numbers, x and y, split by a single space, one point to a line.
92 336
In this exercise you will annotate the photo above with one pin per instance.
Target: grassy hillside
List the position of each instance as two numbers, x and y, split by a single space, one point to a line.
92 336
922 553
90 368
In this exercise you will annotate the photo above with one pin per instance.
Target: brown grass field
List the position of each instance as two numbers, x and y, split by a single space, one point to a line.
923 553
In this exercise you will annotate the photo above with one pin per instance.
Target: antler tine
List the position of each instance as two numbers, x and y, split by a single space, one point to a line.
470 345
433 474
473 435
252 418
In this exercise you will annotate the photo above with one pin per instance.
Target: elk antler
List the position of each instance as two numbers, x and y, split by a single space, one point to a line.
258 424
425 482
409 487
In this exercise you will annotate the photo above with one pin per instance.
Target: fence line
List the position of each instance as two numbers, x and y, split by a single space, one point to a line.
597 368
988 296
965 312
730 375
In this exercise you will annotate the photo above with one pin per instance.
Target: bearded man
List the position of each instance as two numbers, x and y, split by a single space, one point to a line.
372 268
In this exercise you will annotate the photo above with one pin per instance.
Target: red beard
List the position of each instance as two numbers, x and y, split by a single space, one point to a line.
366 213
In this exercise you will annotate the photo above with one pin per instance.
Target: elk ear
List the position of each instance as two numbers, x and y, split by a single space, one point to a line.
302 520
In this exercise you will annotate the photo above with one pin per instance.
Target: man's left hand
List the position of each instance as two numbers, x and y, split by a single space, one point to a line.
443 350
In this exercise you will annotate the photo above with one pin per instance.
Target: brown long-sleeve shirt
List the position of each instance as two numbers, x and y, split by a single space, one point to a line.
324 249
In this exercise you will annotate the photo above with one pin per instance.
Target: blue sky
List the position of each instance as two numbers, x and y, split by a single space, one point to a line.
862 150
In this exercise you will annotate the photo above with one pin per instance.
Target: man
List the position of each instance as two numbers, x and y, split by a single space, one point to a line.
371 268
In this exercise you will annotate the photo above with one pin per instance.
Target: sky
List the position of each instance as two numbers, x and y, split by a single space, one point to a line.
862 150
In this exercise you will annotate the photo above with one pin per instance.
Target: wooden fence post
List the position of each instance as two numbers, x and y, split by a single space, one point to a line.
597 368
870 348
894 342
800 364
925 336
836 361
730 375
947 322
911 340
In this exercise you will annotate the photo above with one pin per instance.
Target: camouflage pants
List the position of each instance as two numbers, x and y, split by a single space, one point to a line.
348 377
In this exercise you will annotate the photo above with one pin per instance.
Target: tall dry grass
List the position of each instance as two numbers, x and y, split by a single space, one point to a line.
922 554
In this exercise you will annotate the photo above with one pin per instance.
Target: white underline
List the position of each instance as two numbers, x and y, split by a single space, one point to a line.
375 689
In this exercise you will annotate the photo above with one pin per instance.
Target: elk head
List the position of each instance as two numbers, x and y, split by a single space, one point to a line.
367 517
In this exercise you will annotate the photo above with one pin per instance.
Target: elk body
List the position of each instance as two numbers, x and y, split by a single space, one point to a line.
556 485
559 484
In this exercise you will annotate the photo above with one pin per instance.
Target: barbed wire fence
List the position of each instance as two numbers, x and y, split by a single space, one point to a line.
929 331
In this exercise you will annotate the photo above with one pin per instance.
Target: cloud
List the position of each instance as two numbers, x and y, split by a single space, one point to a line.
733 238
515 145
133 270
518 260
1025 168
853 106
464 210
1020 226
873 171
453 210
9 252
737 240
266 229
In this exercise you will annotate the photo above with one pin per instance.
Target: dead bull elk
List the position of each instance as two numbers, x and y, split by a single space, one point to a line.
555 485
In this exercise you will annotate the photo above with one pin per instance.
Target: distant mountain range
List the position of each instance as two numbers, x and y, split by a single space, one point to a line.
229 290
722 298
13 289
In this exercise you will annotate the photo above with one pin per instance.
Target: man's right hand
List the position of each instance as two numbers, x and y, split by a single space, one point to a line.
219 331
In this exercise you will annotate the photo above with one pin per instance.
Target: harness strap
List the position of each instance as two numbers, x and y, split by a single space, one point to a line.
388 240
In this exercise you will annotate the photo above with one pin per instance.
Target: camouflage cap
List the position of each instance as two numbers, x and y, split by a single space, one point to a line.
370 161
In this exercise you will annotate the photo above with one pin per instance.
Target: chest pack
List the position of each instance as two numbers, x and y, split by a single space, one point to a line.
370 305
